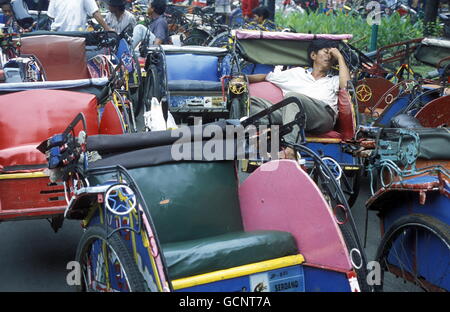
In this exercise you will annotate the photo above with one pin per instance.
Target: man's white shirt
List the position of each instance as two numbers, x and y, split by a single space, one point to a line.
120 24
70 15
300 80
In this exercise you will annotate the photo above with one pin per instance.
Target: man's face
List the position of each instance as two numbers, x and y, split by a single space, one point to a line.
259 19
113 9
323 58
6 8
150 10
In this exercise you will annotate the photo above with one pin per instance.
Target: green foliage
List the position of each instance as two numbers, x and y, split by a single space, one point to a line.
393 28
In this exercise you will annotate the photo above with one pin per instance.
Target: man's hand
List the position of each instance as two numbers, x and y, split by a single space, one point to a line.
336 54
344 73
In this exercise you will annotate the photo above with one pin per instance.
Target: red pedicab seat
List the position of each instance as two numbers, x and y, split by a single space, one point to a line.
29 117
345 125
62 57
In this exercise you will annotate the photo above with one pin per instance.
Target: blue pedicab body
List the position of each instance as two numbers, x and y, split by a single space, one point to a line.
412 206
189 79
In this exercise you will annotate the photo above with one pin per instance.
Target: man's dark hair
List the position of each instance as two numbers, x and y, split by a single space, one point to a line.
319 44
262 11
159 6
121 8
3 2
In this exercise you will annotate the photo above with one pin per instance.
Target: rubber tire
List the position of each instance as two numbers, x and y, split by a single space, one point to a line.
136 95
234 109
125 112
355 182
196 40
151 80
219 41
437 226
135 279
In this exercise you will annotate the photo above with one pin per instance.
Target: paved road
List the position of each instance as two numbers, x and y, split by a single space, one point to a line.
34 258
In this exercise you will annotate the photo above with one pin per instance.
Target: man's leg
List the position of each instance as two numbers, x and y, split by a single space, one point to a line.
319 116
258 104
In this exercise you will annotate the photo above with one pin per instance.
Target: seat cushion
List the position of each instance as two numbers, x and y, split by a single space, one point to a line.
225 251
327 135
192 67
30 117
266 90
194 85
63 58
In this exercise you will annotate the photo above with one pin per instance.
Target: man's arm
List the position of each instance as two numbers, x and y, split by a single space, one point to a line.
98 17
344 73
256 78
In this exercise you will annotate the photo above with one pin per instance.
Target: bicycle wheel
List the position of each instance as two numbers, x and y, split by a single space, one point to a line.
196 37
152 87
220 41
416 252
124 111
107 264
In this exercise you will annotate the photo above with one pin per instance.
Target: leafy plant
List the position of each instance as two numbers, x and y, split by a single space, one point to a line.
393 28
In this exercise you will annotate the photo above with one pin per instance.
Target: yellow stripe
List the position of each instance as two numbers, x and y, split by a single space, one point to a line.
323 140
25 175
237 271
351 168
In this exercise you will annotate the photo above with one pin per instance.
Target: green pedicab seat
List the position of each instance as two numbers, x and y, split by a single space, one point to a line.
225 251
194 206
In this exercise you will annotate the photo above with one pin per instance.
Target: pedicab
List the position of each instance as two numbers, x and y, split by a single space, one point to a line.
261 52
380 99
158 221
188 80
32 110
110 54
409 170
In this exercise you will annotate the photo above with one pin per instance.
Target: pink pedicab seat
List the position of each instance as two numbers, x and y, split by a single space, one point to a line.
30 117
280 196
345 125
62 57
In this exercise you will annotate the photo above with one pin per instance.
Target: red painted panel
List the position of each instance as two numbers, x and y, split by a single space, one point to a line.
29 117
33 196
436 113
111 122
346 122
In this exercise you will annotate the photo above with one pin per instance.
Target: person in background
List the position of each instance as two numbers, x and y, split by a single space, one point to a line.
158 30
118 18
247 8
223 7
11 25
262 15
71 15
37 5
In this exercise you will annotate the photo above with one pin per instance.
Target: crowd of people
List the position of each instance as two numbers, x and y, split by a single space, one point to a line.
72 15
